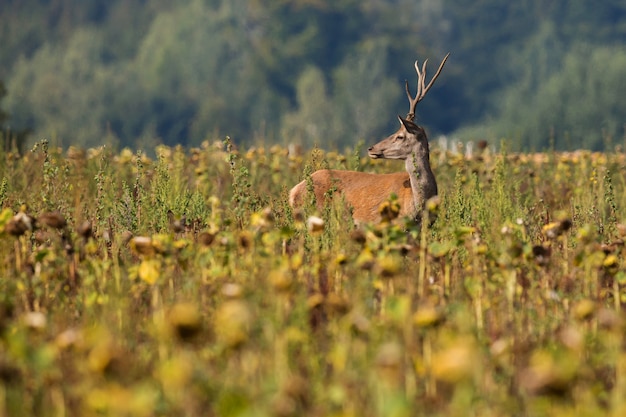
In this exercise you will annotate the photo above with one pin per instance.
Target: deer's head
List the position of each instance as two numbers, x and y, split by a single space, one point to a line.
402 144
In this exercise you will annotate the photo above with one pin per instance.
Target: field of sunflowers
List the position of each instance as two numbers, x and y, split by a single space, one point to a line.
182 284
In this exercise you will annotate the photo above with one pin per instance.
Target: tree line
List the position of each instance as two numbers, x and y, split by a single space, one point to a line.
539 73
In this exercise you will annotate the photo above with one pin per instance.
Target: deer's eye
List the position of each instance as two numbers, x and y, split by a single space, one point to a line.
399 137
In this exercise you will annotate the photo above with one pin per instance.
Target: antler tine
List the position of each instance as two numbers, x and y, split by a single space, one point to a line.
413 100
422 88
408 91
422 76
432 81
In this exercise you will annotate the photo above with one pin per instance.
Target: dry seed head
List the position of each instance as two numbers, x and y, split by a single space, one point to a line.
206 238
390 363
277 149
142 245
315 224
42 236
566 224
76 153
149 270
389 210
541 255
360 323
428 316
611 264
365 260
175 373
125 156
337 303
515 249
585 233
185 321
268 215
482 249
609 248
35 320
259 222
232 290
389 356
91 248
245 240
214 201
20 224
15 229
162 244
548 374
53 219
296 261
552 230
298 216
609 320
584 309
315 300
180 244
388 266
69 338
610 261
433 203
84 229
281 279
556 229
341 259
297 388
232 323
9 373
93 153
103 357
500 347
456 363
572 338
358 236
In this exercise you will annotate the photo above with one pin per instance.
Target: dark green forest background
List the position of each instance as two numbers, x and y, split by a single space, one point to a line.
540 73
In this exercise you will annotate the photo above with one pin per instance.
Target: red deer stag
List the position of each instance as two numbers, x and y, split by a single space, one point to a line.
365 192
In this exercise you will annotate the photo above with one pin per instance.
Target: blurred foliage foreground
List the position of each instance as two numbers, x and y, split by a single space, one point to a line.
185 285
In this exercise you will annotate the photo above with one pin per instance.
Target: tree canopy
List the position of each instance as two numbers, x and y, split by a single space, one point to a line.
328 72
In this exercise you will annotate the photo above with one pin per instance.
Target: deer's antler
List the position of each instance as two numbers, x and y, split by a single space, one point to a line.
422 88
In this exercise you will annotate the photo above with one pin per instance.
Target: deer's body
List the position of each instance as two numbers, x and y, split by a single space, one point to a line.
356 190
366 192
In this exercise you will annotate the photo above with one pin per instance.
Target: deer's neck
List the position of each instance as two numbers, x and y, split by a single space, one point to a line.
423 183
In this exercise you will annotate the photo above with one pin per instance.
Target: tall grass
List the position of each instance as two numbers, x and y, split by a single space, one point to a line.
185 285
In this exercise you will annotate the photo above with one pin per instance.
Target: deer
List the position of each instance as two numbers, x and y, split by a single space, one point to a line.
366 192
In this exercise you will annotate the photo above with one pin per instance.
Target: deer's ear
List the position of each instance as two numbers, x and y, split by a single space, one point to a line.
409 125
